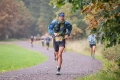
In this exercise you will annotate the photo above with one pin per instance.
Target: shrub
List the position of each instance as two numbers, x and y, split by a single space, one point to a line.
112 53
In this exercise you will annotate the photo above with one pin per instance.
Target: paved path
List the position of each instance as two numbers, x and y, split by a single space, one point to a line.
74 66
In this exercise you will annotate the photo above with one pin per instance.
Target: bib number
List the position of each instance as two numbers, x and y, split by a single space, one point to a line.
59 38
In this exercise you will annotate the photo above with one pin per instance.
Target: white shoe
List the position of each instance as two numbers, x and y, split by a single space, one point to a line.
58 73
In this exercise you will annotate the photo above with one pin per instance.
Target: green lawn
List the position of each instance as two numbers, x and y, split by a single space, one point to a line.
14 57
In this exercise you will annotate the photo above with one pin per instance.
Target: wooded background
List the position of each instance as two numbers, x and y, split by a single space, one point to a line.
25 18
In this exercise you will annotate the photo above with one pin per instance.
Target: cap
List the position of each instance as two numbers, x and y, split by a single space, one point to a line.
61 14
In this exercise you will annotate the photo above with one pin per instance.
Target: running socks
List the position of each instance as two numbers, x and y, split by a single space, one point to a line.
58 69
93 56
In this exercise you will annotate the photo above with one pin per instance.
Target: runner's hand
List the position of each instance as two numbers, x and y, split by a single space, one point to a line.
66 36
56 34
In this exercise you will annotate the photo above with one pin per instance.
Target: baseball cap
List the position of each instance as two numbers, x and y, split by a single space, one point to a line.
61 14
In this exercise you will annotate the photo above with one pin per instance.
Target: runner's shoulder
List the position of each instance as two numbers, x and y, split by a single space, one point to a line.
54 21
67 22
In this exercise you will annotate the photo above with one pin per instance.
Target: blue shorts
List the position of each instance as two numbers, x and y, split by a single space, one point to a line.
58 44
91 45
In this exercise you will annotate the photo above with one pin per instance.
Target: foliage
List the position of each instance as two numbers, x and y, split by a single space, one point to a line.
76 32
41 13
105 17
33 7
14 57
46 16
14 19
76 4
20 18
112 53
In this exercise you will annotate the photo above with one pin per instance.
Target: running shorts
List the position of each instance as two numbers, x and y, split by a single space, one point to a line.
91 45
57 44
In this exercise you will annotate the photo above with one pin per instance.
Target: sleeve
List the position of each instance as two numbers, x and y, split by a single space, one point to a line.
49 39
88 38
69 27
95 36
50 27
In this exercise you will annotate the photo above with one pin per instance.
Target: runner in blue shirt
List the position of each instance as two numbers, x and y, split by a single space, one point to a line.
47 39
92 42
60 30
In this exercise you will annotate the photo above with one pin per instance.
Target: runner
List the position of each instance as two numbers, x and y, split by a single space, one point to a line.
42 41
31 40
92 43
60 30
47 39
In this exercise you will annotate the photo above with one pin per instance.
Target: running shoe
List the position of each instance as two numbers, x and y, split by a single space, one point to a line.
93 56
58 71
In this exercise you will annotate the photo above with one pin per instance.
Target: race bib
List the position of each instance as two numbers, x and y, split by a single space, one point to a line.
59 38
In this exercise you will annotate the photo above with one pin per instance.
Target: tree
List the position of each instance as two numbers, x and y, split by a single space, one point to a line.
46 16
106 18
41 13
33 7
14 18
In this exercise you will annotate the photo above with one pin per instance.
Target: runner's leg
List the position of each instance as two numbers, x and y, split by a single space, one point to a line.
59 60
60 56
31 43
56 53
56 49
47 46
93 49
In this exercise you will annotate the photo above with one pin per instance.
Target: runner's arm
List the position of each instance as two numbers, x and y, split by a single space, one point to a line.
89 39
69 27
50 28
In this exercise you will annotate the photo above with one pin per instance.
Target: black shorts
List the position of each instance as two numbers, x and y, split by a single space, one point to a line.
47 44
58 44
91 45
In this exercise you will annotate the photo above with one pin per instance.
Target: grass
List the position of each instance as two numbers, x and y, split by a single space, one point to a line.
109 67
13 40
13 57
82 47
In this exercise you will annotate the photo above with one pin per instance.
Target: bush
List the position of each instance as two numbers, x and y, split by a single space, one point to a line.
113 54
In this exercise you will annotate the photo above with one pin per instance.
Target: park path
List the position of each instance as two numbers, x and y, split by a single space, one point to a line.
74 66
